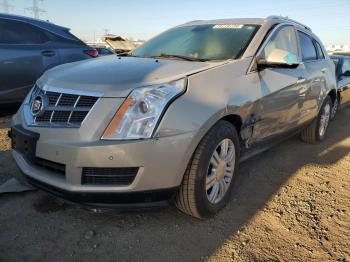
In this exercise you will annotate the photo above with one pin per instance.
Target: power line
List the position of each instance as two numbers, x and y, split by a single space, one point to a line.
35 9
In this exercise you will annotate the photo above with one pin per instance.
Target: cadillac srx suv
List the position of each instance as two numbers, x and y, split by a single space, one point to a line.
172 119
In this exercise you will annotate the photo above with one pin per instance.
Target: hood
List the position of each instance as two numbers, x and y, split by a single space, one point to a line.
118 76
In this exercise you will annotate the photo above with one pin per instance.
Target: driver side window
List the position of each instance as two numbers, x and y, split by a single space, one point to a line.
282 40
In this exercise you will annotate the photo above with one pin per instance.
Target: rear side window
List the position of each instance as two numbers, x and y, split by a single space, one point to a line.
57 38
15 33
307 46
320 54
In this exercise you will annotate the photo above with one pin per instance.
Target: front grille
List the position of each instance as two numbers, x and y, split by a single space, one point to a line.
44 117
62 109
60 116
53 97
67 100
78 116
108 176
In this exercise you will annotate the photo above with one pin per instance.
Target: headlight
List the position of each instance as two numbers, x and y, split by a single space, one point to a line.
139 114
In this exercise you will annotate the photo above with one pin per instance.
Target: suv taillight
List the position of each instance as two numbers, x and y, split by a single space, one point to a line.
92 52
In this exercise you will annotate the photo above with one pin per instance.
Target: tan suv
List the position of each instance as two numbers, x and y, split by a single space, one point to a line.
173 118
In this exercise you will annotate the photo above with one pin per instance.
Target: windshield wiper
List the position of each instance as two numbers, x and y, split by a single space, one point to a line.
187 58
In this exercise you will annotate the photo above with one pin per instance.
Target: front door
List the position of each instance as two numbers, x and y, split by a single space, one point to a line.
282 89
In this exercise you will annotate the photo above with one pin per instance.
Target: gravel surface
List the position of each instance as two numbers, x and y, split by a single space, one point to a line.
291 203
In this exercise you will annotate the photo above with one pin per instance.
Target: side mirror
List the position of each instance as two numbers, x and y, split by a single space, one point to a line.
279 58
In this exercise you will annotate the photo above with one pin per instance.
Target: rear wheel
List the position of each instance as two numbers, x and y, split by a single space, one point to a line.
208 180
317 130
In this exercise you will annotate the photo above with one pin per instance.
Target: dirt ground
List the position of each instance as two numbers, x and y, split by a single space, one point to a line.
292 203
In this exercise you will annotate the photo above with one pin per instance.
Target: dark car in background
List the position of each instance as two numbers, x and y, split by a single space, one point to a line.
342 72
28 47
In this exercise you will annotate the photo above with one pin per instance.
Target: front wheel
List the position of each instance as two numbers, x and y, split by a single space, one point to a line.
317 130
208 180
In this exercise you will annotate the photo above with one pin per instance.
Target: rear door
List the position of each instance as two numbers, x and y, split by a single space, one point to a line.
25 53
316 74
344 81
282 89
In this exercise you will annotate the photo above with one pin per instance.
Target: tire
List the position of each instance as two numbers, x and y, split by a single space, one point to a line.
335 108
193 196
312 134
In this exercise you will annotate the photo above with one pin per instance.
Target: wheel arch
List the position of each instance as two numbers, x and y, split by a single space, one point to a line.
235 120
333 94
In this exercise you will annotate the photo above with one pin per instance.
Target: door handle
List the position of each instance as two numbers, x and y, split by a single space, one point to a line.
48 53
324 70
301 80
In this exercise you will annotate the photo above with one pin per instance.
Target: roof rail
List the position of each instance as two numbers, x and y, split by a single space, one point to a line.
289 20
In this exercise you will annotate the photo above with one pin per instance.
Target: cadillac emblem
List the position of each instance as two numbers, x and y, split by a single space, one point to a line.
37 105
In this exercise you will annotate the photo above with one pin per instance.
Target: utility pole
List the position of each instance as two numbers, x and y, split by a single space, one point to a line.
5 6
35 9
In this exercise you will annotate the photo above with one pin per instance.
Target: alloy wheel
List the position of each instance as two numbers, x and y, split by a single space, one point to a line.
335 108
324 120
220 171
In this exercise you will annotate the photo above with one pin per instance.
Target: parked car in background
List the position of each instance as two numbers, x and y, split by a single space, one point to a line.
28 47
173 118
120 44
103 50
342 72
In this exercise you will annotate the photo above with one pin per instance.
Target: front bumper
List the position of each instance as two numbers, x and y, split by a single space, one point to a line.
161 164
123 201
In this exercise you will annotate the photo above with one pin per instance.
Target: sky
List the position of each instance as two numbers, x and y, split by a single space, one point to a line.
143 19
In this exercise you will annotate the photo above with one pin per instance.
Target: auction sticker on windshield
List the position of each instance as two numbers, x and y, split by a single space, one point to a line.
229 26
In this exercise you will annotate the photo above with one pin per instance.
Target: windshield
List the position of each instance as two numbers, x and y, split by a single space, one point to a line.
200 42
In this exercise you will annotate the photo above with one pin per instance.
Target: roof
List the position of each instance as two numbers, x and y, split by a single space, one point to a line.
258 21
253 21
46 25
